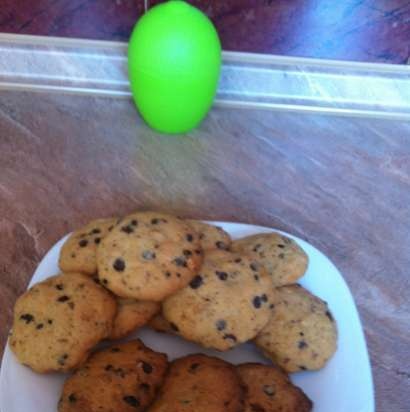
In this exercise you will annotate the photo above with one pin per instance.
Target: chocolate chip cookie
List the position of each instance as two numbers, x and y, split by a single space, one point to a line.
283 258
160 324
268 389
78 253
123 378
211 237
149 256
199 383
131 315
58 321
301 334
228 302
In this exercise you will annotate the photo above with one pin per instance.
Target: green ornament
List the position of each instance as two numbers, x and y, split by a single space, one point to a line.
174 62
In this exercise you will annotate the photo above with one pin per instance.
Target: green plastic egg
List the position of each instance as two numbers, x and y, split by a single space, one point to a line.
174 62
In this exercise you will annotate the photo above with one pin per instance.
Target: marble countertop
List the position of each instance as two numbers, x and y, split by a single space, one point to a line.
336 173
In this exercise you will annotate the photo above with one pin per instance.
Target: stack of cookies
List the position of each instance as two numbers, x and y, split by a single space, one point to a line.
180 277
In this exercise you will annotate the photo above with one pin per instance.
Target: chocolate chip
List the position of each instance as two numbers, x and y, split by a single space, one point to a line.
105 281
148 255
196 282
72 398
73 255
230 337
221 245
97 240
255 407
27 317
168 274
110 228
271 306
221 275
254 266
95 231
256 277
220 324
303 368
269 390
127 229
257 247
178 275
83 243
257 302
60 286
145 387
330 316
50 321
146 367
154 221
108 367
134 222
114 350
174 327
119 265
302 344
189 237
132 401
63 298
264 298
187 252
198 251
180 261
238 260
194 366
61 360
71 305
40 326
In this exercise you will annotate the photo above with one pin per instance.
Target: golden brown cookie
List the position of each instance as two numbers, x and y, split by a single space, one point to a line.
227 303
211 237
123 378
284 260
78 253
132 314
268 389
149 256
58 321
160 324
301 333
199 383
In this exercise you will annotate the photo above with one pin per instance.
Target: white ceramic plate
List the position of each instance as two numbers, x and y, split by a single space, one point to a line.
345 384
